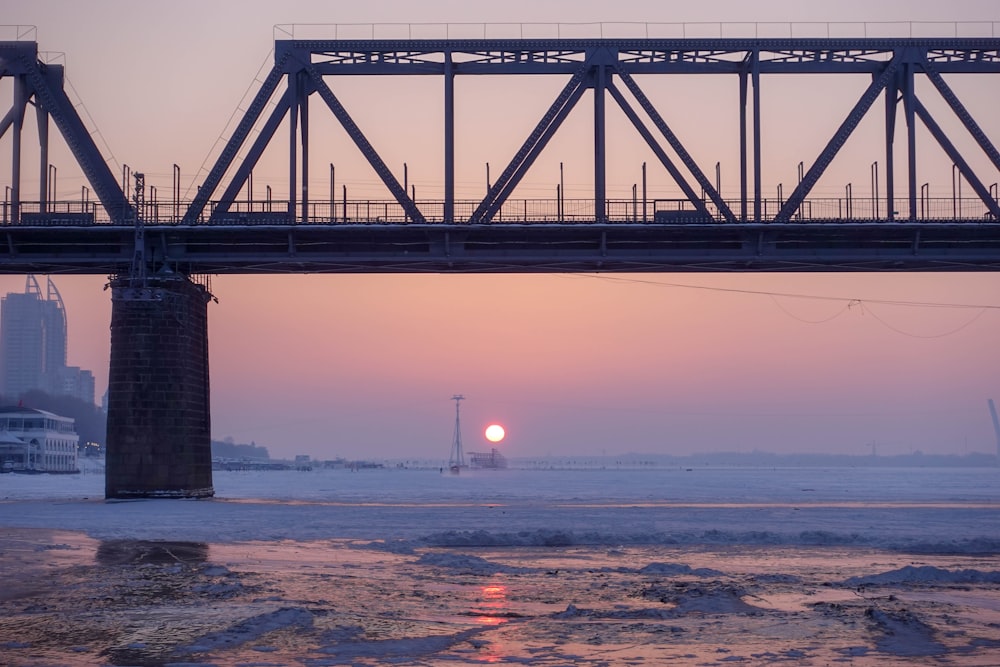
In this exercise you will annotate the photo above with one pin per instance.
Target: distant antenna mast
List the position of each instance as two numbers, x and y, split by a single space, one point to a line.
457 460
996 425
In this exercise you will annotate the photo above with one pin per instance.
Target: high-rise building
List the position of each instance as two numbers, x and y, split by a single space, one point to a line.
33 345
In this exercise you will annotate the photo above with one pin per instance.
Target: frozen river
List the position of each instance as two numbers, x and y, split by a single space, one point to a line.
935 509
861 566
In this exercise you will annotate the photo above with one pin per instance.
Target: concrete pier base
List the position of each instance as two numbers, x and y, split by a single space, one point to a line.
159 429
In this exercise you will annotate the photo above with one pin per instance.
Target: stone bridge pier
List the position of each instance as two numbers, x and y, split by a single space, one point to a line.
159 428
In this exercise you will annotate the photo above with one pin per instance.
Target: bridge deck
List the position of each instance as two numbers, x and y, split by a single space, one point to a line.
507 248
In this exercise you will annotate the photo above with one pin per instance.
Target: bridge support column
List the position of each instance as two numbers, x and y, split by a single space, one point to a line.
159 437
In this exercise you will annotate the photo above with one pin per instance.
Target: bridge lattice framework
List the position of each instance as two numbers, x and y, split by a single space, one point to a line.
608 68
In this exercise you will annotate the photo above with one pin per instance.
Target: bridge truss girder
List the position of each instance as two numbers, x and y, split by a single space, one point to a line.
593 65
41 85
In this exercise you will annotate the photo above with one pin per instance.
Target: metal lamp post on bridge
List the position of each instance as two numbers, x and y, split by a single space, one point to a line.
875 189
956 192
177 192
51 195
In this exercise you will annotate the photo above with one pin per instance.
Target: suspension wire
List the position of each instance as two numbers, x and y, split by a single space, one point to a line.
926 337
791 295
844 309
850 303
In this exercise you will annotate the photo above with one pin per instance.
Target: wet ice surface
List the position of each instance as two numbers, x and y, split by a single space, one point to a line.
522 567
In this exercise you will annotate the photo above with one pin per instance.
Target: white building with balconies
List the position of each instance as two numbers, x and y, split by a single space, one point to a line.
34 440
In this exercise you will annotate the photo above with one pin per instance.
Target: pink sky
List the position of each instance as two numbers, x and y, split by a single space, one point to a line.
364 366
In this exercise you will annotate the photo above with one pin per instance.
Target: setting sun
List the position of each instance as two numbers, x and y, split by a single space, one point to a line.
495 433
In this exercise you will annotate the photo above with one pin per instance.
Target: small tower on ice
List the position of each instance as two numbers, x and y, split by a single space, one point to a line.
457 460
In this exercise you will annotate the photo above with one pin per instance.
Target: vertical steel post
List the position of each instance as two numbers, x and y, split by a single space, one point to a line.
600 166
960 194
644 192
956 188
51 187
304 133
561 194
875 207
718 179
891 91
177 192
802 171
333 182
743 145
449 139
911 138
406 189
45 169
755 72
293 138
20 103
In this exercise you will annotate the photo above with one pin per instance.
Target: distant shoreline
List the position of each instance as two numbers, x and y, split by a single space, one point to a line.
639 461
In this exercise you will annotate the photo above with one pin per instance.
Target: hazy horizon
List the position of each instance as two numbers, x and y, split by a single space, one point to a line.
571 364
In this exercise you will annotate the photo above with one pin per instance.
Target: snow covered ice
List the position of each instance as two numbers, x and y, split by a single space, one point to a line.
859 566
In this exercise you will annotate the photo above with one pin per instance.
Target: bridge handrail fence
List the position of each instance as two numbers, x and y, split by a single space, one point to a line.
637 30
514 211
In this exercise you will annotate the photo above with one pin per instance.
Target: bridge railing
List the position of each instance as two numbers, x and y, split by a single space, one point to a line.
53 213
514 211
638 30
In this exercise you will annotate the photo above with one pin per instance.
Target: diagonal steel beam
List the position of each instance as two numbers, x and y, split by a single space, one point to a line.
837 141
533 154
240 135
250 161
7 121
963 114
676 144
48 90
957 158
658 151
531 147
374 159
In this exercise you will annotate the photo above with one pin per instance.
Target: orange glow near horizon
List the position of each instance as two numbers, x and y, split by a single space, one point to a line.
362 365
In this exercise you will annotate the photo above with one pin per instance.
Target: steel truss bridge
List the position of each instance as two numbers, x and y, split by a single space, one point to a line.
220 231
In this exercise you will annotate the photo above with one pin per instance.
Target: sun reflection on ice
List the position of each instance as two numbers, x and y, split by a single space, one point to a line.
493 608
